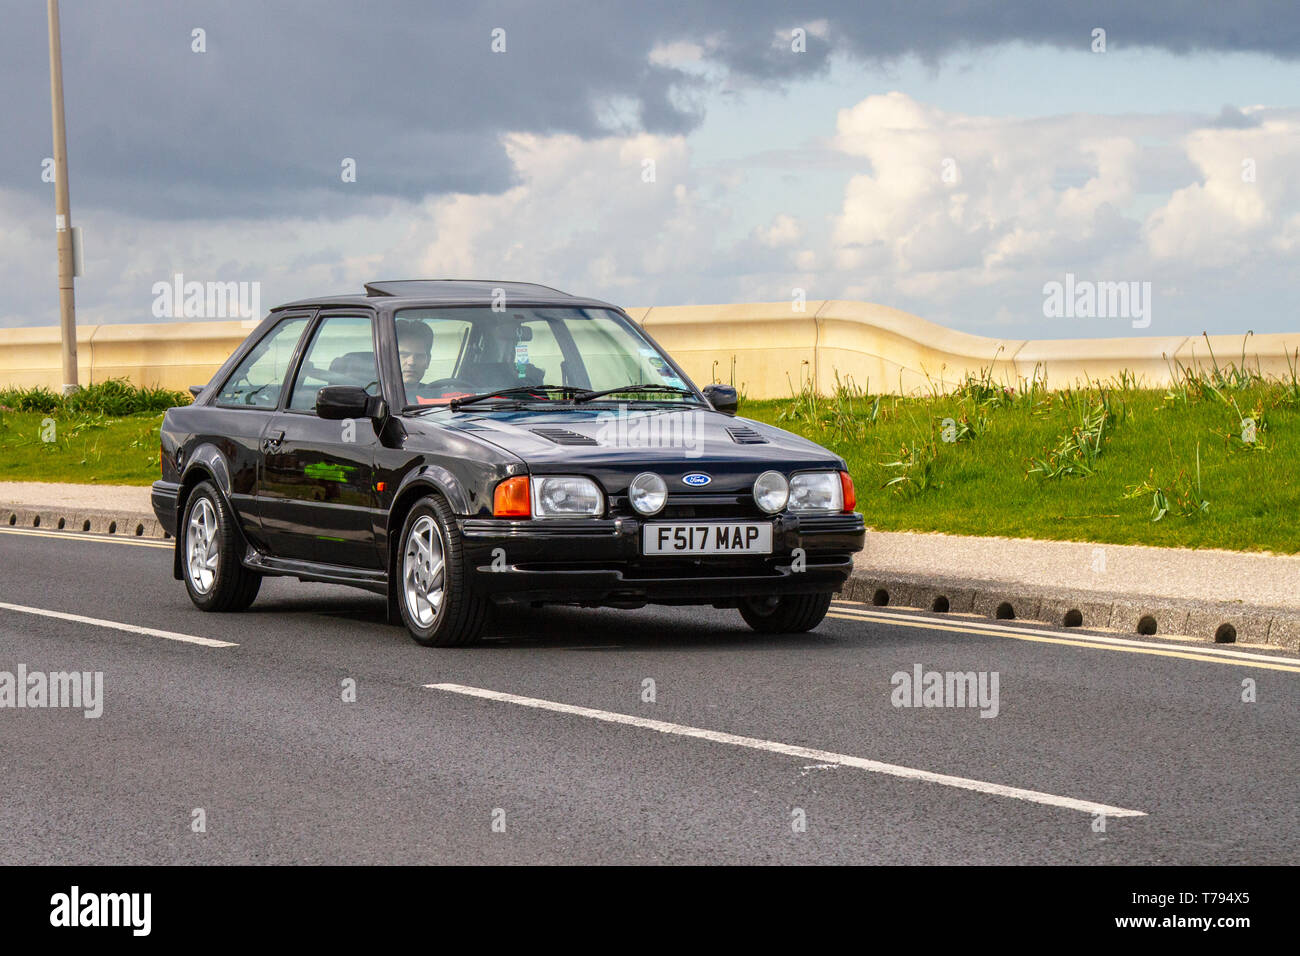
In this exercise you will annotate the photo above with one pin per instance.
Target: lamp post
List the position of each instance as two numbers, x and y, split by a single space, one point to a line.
62 212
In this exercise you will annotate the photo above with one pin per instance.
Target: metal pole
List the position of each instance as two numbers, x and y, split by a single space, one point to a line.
62 212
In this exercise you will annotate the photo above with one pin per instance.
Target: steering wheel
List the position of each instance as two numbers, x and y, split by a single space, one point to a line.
447 384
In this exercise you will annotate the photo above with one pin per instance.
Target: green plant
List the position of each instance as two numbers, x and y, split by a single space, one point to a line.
1246 432
963 428
1077 450
1159 500
86 423
982 391
38 399
119 397
916 466
114 397
1187 494
1191 498
842 419
802 405
845 415
1289 393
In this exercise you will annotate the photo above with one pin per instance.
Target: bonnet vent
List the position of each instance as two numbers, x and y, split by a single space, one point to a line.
744 435
562 436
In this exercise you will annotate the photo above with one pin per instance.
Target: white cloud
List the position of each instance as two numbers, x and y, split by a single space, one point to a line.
1226 217
583 214
784 231
677 54
949 192
958 218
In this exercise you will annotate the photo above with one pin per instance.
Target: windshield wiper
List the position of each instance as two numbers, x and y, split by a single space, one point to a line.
456 403
675 389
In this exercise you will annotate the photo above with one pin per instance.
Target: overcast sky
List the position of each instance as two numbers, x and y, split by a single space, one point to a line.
949 159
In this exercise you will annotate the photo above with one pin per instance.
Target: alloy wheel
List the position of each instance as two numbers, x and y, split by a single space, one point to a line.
203 549
423 577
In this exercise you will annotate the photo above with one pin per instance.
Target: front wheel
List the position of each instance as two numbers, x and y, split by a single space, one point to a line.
210 551
787 614
434 593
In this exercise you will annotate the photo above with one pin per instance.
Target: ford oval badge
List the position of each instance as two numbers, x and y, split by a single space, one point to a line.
696 479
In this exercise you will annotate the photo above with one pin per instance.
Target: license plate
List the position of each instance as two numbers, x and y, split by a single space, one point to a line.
740 537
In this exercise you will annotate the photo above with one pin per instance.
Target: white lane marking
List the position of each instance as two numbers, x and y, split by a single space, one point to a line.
117 625
789 750
92 536
862 613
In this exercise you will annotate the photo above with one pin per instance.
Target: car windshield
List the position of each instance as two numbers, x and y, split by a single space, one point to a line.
453 353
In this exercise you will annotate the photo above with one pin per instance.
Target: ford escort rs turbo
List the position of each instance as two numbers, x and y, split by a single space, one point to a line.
455 445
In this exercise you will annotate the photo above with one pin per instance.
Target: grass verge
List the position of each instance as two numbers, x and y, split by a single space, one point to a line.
103 434
88 449
1211 462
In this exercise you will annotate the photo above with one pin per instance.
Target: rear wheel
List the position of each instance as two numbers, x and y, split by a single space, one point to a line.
433 590
787 614
210 553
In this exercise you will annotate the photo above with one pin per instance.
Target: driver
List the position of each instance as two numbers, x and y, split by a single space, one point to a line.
501 357
414 349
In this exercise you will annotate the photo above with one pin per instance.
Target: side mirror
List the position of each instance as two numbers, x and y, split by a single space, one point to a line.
723 398
337 402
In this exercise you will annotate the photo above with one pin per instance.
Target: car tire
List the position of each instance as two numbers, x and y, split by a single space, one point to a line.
430 555
788 614
211 552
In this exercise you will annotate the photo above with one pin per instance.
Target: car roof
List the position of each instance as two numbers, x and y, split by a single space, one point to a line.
413 293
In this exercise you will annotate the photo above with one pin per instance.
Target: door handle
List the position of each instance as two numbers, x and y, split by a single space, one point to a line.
273 439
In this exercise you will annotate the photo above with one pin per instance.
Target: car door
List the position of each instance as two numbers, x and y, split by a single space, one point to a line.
317 494
244 406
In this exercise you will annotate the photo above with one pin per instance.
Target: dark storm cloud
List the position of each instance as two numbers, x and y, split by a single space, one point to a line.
259 124
1232 118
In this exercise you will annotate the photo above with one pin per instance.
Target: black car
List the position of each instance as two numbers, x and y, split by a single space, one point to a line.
458 444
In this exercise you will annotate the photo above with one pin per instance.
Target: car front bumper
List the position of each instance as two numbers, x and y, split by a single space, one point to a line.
599 562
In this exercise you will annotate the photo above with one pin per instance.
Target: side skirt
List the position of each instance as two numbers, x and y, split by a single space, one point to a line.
369 580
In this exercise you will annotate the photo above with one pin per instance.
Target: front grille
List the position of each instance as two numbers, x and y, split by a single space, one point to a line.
693 506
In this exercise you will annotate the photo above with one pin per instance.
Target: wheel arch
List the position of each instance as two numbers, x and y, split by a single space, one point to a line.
423 481
205 464
420 482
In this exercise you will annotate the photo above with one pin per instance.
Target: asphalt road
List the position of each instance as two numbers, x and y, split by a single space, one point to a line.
535 747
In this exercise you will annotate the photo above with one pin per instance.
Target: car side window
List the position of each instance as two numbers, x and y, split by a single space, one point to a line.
257 382
342 352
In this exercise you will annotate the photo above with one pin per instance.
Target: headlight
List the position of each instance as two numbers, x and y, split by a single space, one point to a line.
564 496
816 491
647 493
771 491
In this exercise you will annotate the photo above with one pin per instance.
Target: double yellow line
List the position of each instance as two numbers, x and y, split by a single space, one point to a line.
856 611
88 536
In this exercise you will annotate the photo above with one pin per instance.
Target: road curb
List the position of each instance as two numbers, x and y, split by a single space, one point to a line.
127 524
1065 607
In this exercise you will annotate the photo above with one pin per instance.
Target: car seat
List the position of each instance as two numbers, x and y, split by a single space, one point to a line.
357 367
